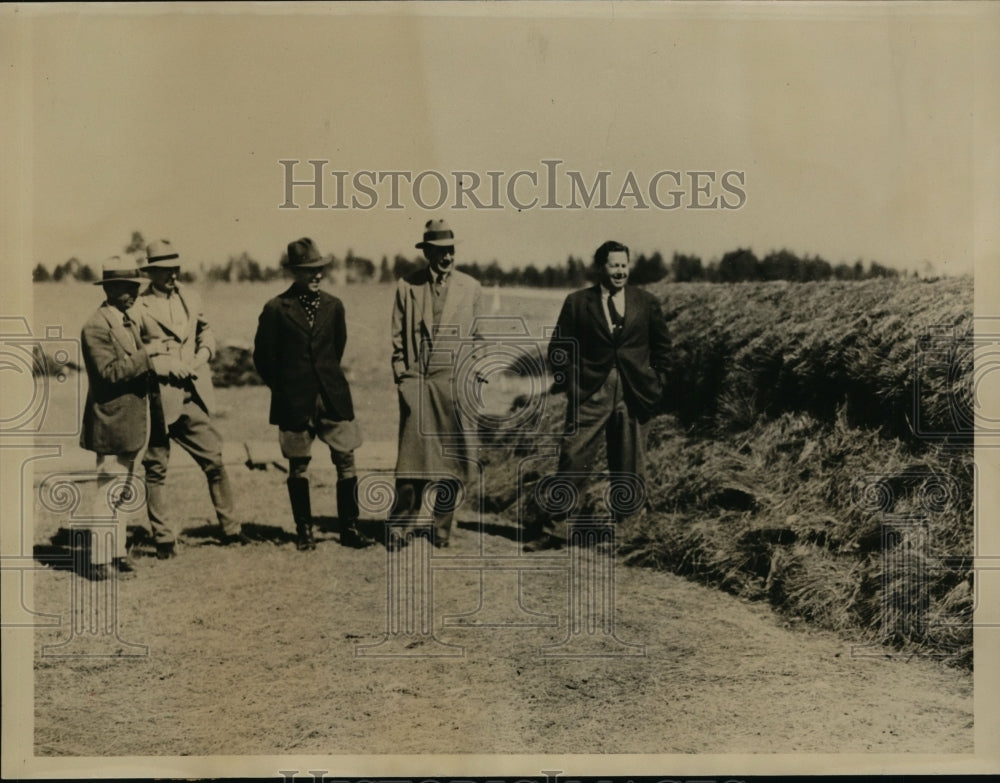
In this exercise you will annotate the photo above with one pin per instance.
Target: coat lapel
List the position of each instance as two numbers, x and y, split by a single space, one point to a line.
128 340
192 322
422 302
323 313
452 300
294 310
631 310
597 312
159 310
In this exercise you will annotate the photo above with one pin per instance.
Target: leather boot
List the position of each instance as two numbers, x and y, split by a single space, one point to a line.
348 513
298 494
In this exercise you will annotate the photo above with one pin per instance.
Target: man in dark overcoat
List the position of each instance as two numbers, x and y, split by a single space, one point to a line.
433 319
119 384
622 358
301 335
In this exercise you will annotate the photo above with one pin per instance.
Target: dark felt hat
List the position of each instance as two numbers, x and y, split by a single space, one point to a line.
303 254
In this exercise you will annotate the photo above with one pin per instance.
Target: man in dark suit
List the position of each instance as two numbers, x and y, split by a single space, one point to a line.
119 383
300 341
186 397
621 339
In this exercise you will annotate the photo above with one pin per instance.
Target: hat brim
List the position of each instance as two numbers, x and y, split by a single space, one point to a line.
173 263
137 280
308 265
437 243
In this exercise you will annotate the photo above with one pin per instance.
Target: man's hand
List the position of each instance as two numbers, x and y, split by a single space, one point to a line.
180 371
156 346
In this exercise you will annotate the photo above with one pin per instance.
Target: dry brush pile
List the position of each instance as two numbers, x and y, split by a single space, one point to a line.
785 465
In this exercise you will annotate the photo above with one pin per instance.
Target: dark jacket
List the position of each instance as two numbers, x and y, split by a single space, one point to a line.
119 378
300 363
639 352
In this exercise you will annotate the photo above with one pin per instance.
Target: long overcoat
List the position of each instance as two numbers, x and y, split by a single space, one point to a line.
433 436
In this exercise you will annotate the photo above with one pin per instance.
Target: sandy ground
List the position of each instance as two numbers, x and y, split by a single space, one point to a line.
265 650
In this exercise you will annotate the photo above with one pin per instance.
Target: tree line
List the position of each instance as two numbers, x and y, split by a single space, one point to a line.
740 265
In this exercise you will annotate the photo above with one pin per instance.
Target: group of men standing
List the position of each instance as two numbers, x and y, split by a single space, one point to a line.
149 383
147 358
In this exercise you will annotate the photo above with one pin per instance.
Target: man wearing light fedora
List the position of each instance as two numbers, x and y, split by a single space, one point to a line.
300 340
119 385
186 395
433 318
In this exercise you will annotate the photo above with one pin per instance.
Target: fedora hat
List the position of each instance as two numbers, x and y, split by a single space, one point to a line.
303 254
161 254
437 233
114 270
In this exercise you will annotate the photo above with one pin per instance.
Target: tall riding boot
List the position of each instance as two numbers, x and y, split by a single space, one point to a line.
298 494
348 513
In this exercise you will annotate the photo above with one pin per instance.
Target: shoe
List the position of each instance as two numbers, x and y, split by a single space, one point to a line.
241 538
98 572
440 537
305 542
544 542
396 540
124 565
352 537
165 551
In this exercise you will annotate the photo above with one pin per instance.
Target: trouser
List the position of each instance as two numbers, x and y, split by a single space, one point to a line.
605 413
197 435
409 497
342 437
117 486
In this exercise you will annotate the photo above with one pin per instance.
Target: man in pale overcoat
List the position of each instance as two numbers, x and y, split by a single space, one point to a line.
433 319
174 316
119 385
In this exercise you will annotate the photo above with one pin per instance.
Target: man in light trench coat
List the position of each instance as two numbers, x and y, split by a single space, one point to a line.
433 320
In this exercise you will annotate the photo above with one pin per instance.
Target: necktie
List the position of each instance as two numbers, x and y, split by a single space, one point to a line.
616 318
439 283
126 321
310 303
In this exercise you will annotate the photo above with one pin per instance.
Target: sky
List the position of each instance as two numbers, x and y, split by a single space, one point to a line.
850 131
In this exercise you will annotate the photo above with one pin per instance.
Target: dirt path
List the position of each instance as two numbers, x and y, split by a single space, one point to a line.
252 650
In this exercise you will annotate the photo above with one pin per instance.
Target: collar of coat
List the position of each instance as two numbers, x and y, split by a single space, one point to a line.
596 309
296 312
157 305
119 331
459 284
